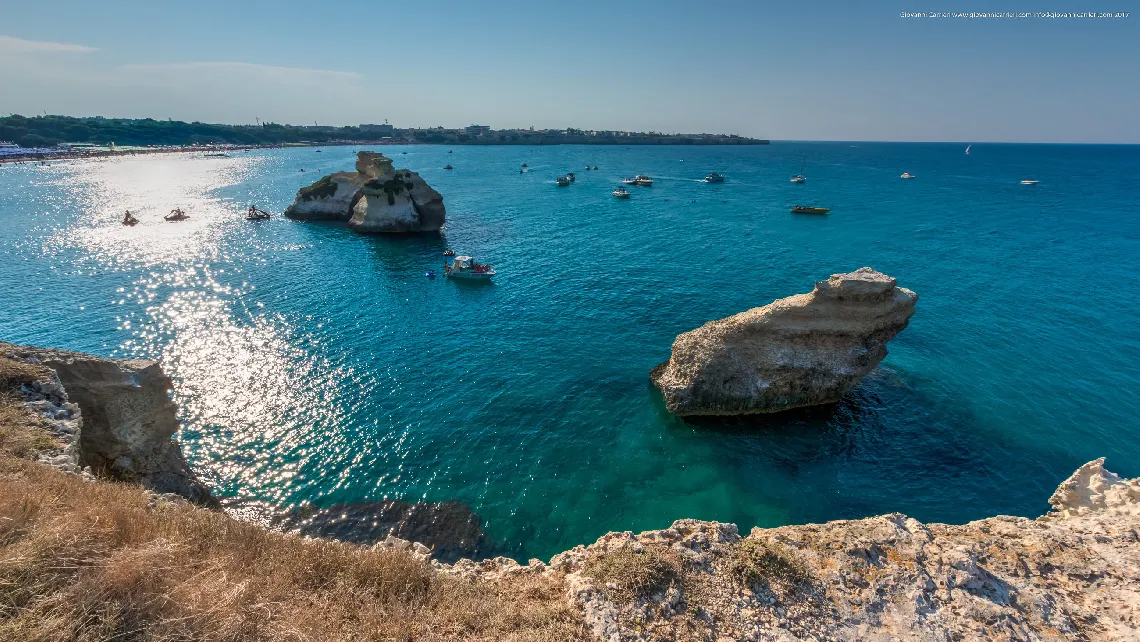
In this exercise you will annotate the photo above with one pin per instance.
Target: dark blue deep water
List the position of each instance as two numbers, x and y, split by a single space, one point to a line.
314 364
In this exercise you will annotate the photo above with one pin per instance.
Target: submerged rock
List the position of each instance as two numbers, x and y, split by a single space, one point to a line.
127 419
450 530
799 351
376 198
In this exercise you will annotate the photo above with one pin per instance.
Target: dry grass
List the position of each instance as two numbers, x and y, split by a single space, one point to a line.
99 561
627 574
21 431
758 562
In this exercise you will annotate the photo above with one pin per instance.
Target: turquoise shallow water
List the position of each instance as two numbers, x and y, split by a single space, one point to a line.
314 364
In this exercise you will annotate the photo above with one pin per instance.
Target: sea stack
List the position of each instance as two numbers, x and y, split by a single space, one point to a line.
376 198
803 350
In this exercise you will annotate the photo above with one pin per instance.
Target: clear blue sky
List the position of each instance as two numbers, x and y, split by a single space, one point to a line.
780 70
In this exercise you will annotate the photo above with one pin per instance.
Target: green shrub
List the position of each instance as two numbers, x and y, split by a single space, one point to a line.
758 562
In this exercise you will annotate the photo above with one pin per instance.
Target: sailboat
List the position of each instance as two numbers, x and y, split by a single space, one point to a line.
968 149
800 178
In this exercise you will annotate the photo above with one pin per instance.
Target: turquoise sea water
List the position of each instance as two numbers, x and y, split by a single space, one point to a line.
315 364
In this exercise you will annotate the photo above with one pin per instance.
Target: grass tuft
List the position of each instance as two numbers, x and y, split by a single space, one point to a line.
758 562
626 574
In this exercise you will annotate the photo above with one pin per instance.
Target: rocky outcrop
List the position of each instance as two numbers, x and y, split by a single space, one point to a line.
329 199
1073 574
376 198
799 351
127 418
450 530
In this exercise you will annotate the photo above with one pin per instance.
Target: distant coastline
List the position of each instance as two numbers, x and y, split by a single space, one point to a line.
66 136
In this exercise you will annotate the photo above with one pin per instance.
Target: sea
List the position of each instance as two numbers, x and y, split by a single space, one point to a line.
314 366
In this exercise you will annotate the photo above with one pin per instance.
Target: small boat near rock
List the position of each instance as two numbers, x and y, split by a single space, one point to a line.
621 192
465 267
254 214
804 209
713 177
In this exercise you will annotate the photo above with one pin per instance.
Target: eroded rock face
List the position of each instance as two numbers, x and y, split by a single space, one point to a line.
803 350
128 419
375 199
329 199
1073 574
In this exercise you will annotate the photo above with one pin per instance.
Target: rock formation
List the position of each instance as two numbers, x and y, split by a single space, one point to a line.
449 529
799 351
1073 574
375 199
126 418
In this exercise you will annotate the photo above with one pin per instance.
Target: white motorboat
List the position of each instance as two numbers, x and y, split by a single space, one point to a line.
907 175
643 180
713 177
621 192
465 267
629 181
1029 181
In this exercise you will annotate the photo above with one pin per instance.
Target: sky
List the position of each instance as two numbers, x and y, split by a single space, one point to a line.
825 70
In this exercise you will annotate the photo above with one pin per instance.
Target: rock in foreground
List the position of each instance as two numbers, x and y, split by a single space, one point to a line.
1073 574
375 199
126 421
803 350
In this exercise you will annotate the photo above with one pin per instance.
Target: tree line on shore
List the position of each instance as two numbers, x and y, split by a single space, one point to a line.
47 131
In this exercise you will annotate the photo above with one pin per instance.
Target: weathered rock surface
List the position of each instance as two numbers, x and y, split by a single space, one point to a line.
1073 574
127 418
329 199
376 198
802 350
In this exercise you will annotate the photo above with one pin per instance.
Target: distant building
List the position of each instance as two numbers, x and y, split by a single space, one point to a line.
475 130
377 129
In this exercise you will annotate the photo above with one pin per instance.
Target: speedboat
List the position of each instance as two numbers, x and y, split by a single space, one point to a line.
570 176
907 175
524 164
176 214
713 177
595 167
643 180
465 267
129 219
1029 181
621 192
587 168
254 214
562 181
803 209
449 252
629 181
449 167
430 274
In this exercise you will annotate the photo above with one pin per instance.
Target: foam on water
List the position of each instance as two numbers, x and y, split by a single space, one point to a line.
314 364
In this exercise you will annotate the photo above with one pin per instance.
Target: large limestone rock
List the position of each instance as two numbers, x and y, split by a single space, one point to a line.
799 351
375 199
329 199
128 419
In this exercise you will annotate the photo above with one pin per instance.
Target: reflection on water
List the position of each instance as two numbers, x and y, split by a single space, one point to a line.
318 368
